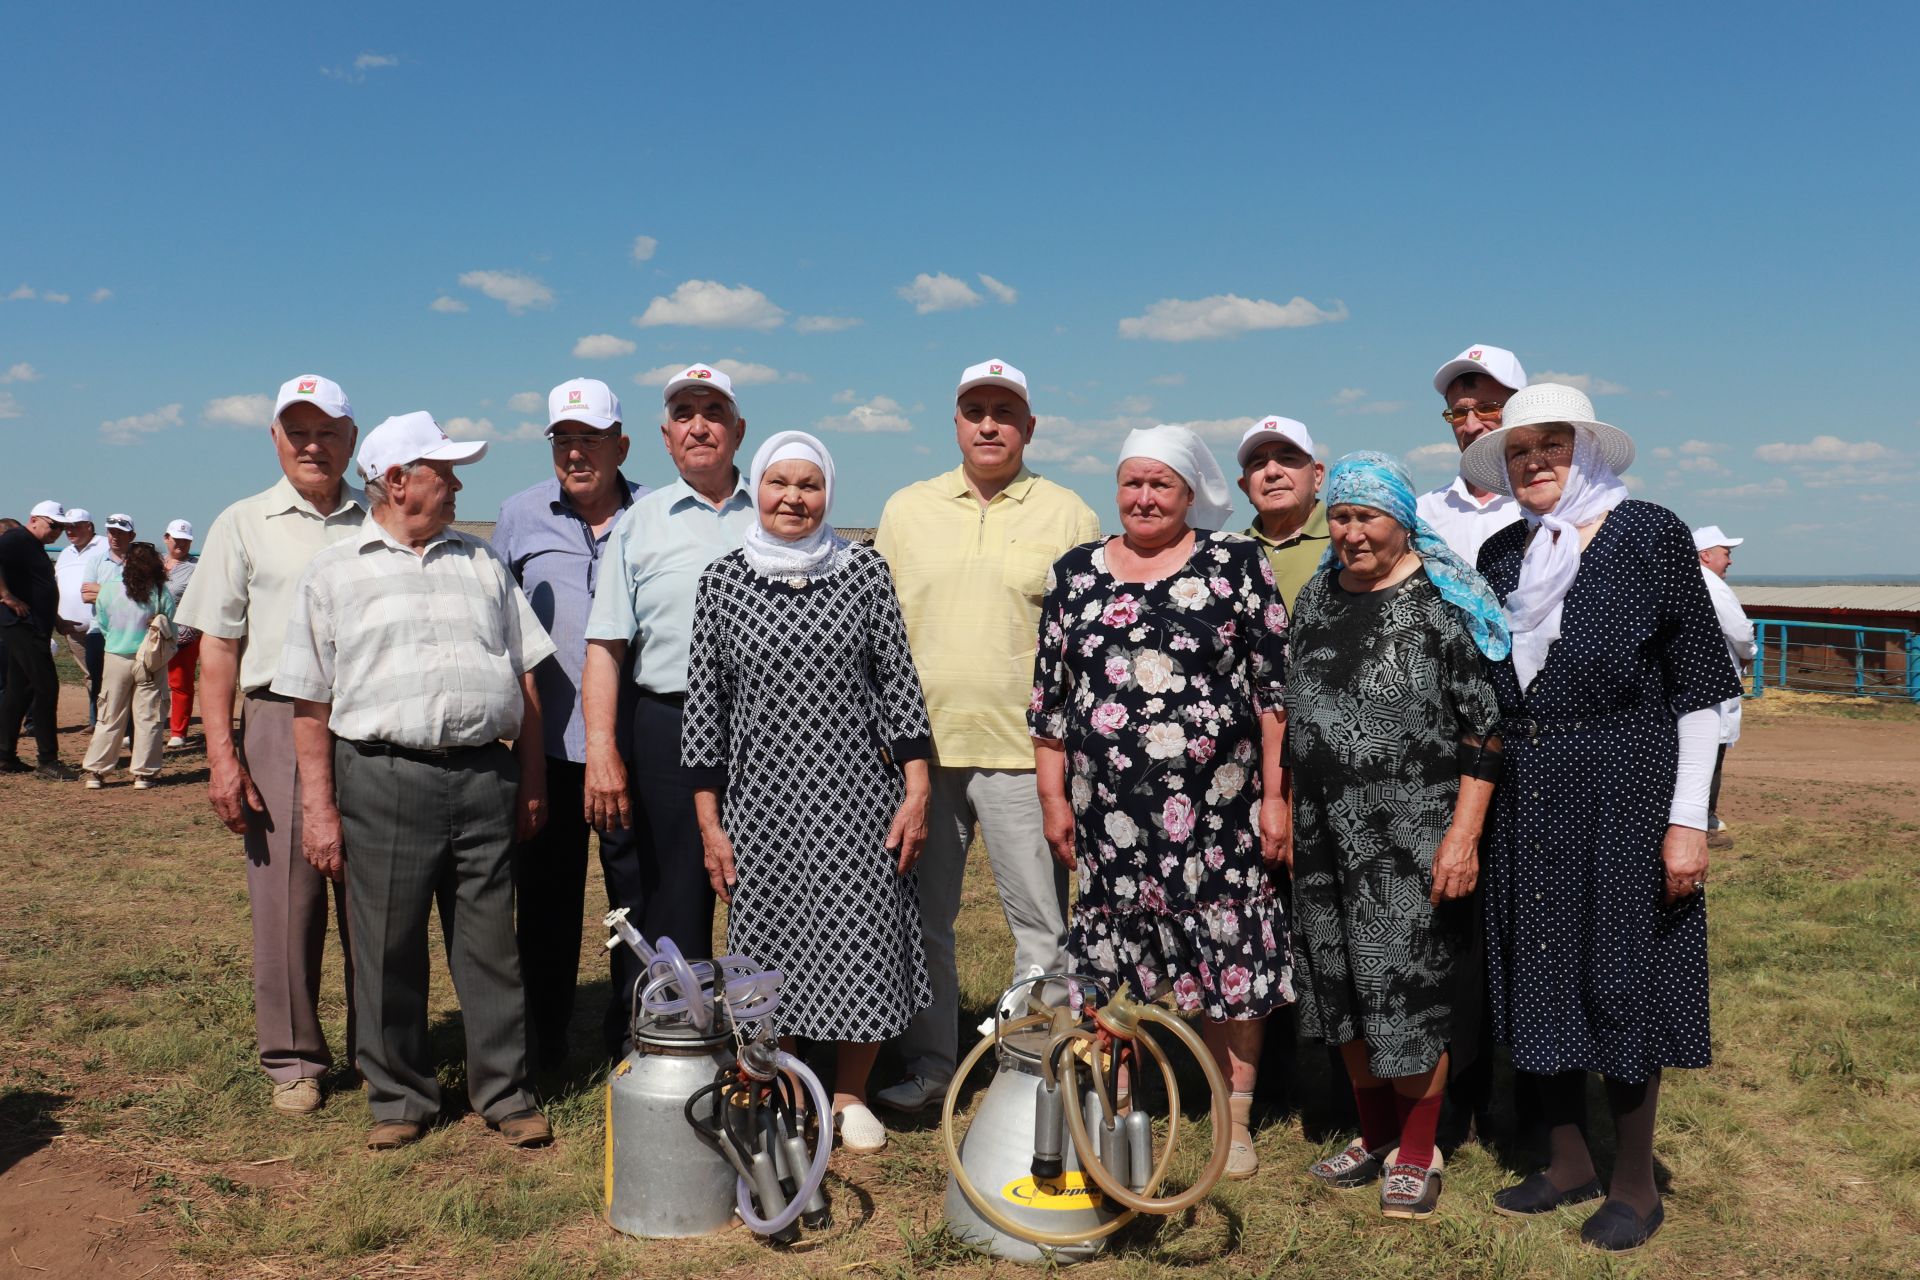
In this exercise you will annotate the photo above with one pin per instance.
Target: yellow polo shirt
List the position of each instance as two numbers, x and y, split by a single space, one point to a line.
970 581
1296 560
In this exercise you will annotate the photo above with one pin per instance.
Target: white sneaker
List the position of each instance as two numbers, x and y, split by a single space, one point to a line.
126 742
913 1093
142 784
176 741
94 783
860 1130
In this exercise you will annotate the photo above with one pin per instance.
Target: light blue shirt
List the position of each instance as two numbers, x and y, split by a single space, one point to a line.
651 571
101 566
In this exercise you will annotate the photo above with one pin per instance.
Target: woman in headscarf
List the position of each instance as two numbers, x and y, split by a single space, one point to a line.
1392 751
1597 855
1157 721
807 737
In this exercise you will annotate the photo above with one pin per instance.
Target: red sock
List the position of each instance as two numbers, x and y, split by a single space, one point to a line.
1416 1131
1402 1108
1377 1121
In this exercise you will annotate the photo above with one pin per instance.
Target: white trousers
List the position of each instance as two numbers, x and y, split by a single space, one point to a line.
121 697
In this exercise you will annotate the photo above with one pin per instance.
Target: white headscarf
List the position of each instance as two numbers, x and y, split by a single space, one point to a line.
1187 454
776 557
1553 557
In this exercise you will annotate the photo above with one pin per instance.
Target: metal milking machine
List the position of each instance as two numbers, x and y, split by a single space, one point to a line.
707 1116
1056 1160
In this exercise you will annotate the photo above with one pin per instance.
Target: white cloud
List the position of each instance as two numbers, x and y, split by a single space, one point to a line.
446 305
1634 481
56 297
880 414
1434 459
1135 404
708 304
1169 380
22 293
1701 464
470 428
526 402
368 61
824 324
1224 315
1699 448
1348 395
643 247
1858 476
846 397
356 72
129 429
1220 430
1591 384
516 289
1004 292
22 372
744 374
601 346
255 410
1824 449
1354 400
99 295
938 293
1083 446
9 407
1771 489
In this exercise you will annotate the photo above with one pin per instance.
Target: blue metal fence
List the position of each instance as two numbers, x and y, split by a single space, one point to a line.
1836 657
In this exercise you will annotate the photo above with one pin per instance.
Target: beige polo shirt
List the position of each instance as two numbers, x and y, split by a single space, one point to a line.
970 581
249 565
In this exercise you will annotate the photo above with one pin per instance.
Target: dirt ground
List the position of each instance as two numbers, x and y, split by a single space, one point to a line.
70 1207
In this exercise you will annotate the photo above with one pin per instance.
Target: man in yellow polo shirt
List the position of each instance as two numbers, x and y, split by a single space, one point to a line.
1281 477
970 552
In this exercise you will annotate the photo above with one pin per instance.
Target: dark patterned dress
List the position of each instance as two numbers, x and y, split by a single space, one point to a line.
792 693
1155 688
1383 686
1586 970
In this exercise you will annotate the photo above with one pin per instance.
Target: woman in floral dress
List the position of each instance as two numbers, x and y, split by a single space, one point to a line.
1157 720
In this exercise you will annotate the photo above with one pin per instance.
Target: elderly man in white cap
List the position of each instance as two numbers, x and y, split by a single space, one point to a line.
970 551
1282 478
552 537
102 562
186 657
253 556
29 608
1475 386
409 655
76 614
642 621
1716 557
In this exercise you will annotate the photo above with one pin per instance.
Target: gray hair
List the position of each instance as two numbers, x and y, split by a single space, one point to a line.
377 486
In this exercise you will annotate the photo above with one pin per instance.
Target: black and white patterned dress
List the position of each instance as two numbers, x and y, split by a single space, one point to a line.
1586 970
793 692
1383 686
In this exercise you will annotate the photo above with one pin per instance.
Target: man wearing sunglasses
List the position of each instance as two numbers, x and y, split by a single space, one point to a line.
1475 386
552 537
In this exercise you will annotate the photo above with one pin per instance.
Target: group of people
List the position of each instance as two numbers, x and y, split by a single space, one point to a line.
1437 769
100 596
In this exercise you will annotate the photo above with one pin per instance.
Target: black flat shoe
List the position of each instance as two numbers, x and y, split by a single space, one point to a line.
1616 1228
1536 1196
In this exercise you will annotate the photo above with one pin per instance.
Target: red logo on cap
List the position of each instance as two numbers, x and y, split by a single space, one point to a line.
993 368
702 373
306 386
1474 354
573 397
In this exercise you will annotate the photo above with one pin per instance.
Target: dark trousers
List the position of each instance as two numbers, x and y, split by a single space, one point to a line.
1469 1096
416 833
661 874
1713 795
96 644
32 686
550 888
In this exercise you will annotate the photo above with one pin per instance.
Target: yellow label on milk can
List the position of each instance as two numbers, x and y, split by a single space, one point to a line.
1069 1191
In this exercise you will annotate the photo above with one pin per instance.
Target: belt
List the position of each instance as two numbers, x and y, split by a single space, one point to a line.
671 699
424 755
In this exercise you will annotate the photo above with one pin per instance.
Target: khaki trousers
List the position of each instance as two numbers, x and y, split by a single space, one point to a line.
123 697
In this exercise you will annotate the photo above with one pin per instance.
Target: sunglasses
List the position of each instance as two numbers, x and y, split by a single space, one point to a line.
1486 411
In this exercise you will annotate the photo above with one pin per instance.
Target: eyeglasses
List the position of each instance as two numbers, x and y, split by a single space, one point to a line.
1547 454
1486 411
572 440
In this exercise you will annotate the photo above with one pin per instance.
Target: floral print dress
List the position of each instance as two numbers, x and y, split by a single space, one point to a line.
1156 688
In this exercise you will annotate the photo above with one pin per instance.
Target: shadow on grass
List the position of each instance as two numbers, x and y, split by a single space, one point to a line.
27 1123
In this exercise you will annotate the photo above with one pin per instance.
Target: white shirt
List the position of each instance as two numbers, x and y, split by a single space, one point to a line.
1740 647
69 569
415 650
1464 522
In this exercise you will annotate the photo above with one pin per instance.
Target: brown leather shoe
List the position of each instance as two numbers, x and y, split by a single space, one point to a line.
388 1135
526 1129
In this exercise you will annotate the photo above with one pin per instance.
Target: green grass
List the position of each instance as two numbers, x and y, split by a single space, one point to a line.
125 998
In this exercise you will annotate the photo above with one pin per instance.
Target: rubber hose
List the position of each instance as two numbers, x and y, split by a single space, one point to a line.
823 1151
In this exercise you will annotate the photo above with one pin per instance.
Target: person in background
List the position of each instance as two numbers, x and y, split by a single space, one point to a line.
76 614
186 658
243 590
29 608
1282 478
409 655
643 608
552 537
102 561
127 603
969 552
1716 557
1474 386
7 523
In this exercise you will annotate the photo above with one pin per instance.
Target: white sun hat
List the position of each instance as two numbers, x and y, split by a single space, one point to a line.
1497 363
1271 428
1710 536
413 437
1543 404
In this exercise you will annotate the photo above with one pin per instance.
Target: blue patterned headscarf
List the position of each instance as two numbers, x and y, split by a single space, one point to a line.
1374 480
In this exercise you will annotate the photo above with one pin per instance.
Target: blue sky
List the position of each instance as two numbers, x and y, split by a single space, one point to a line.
1704 211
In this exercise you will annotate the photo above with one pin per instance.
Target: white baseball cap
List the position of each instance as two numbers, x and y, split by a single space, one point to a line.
994 373
588 401
413 437
1497 363
124 523
314 389
1709 536
181 529
50 510
1271 428
699 375
79 515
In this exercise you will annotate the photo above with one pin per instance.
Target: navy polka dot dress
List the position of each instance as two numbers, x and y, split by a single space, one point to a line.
1586 970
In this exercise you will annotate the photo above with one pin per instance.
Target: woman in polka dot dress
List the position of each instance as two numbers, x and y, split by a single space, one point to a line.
1596 858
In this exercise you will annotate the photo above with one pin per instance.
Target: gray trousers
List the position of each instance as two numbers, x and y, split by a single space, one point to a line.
1005 804
416 832
288 902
